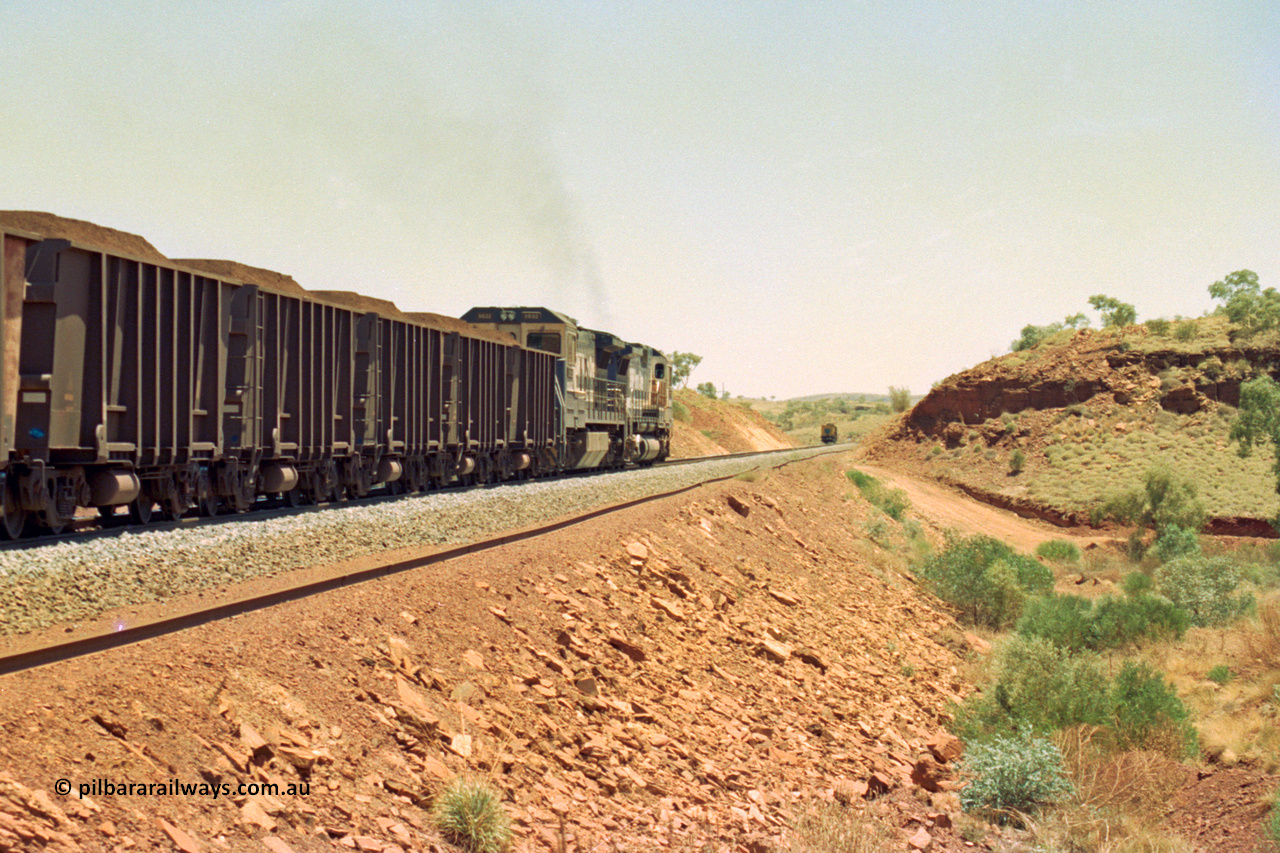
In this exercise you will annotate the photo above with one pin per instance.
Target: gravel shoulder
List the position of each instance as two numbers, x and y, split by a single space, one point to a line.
77 581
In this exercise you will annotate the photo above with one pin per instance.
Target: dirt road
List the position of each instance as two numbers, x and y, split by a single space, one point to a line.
949 507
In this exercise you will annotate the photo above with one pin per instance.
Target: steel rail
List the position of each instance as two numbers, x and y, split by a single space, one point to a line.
88 529
80 647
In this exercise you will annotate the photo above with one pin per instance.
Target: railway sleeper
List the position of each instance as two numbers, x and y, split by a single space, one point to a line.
36 498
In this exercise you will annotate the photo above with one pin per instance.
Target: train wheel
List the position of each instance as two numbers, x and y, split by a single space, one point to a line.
13 518
50 522
140 510
293 498
206 500
243 496
174 506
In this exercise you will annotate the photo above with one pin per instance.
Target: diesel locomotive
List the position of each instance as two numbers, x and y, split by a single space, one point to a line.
133 382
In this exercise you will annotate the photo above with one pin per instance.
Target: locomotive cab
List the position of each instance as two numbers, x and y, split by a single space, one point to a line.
614 396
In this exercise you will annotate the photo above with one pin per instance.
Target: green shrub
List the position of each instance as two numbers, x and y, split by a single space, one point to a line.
680 412
1185 330
878 532
1032 335
470 814
1005 595
1125 508
1165 503
1174 541
1058 551
1017 461
861 479
1039 687
1148 713
1159 327
985 579
1119 622
1036 686
1203 587
899 398
1012 774
1220 674
1136 583
1064 620
892 502
1172 502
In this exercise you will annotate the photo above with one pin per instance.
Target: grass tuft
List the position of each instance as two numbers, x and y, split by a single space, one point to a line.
1058 551
469 813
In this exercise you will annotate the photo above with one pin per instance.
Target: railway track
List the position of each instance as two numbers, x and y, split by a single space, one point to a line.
22 657
88 528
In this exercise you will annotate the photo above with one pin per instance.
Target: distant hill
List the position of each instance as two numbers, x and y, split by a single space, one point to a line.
1087 413
801 418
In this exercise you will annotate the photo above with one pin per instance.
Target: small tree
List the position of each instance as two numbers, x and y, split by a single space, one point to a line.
1113 311
1259 419
1032 334
899 398
682 364
1165 503
707 389
1245 303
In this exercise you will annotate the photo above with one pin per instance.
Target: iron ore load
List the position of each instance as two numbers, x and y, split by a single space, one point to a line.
132 380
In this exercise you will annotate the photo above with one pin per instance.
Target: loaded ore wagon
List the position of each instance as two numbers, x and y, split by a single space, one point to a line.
133 382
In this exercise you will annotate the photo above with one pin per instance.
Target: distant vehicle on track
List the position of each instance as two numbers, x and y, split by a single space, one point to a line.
830 435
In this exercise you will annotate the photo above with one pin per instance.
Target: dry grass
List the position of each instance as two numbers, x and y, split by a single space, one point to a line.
822 827
1240 715
1091 459
833 828
1118 803
1264 644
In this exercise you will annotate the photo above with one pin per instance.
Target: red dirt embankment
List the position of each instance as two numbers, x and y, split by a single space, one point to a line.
693 670
707 427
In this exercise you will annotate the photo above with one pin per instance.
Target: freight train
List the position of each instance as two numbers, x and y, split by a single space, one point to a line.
130 380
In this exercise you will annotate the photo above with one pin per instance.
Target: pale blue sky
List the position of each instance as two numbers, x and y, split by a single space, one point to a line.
815 197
